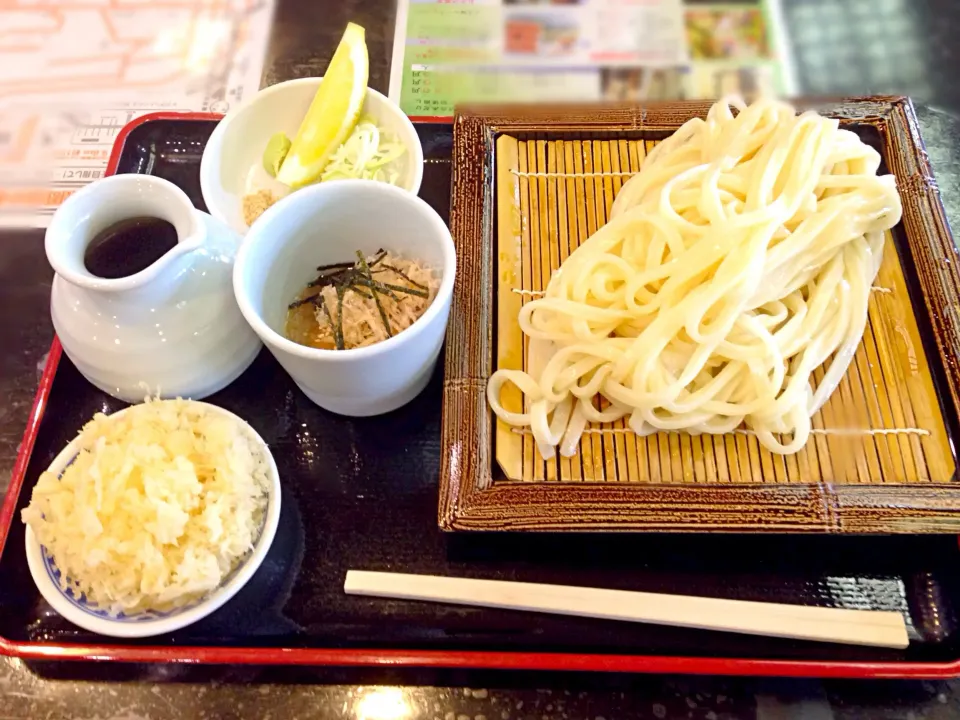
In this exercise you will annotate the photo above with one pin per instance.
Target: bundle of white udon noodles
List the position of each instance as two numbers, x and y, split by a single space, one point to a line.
738 260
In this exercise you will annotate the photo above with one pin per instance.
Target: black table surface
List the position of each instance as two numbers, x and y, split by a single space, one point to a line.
840 47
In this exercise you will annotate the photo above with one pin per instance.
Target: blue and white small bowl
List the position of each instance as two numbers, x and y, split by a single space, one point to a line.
77 610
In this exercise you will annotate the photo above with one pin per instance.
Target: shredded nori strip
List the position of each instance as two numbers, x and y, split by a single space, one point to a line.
362 261
331 278
335 266
333 328
386 288
408 291
361 293
375 286
338 332
405 277
302 301
358 277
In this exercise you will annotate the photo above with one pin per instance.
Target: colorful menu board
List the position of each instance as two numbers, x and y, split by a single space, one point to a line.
72 74
450 51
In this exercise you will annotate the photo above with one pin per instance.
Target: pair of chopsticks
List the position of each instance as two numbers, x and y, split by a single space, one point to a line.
798 622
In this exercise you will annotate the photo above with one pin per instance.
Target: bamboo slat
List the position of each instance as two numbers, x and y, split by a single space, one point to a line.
882 425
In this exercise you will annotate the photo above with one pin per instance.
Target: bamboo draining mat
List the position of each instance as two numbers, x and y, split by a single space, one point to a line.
882 425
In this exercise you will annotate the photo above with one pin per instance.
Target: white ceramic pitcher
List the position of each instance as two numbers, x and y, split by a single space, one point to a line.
173 327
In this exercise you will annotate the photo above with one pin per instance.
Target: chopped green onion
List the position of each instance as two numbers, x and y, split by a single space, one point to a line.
366 155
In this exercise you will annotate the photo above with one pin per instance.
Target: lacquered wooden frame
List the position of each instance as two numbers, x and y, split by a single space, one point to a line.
469 497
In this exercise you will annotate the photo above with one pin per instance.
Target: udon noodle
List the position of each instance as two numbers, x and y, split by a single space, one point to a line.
737 261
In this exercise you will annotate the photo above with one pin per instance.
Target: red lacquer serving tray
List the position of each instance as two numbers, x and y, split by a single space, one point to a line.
381 515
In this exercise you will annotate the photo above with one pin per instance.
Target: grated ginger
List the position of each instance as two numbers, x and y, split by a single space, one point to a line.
161 504
256 204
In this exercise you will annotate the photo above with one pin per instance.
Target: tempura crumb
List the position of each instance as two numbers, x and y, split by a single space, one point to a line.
255 204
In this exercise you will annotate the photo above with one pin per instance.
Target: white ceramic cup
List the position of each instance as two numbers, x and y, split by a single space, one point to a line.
328 223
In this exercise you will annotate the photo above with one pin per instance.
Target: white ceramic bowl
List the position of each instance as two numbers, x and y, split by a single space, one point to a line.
79 612
232 163
328 223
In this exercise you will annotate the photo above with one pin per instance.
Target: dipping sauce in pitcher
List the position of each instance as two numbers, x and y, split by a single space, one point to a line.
129 246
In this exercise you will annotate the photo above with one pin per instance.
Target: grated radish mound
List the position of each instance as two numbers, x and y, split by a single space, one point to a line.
161 504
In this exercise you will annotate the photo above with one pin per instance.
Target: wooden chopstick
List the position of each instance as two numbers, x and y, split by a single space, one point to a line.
799 622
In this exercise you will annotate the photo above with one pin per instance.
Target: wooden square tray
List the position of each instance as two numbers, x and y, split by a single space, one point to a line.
531 186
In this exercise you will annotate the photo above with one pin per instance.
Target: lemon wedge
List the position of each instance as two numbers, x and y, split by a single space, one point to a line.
275 153
333 113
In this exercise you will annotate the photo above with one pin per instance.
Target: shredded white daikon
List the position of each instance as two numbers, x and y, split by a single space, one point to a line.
366 155
160 505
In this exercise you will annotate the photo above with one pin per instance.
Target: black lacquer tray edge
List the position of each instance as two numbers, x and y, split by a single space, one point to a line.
356 657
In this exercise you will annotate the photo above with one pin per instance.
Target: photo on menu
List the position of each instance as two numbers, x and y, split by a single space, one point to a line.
541 35
716 80
544 2
726 34
630 84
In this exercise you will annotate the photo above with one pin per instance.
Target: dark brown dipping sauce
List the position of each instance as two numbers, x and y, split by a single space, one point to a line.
129 246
